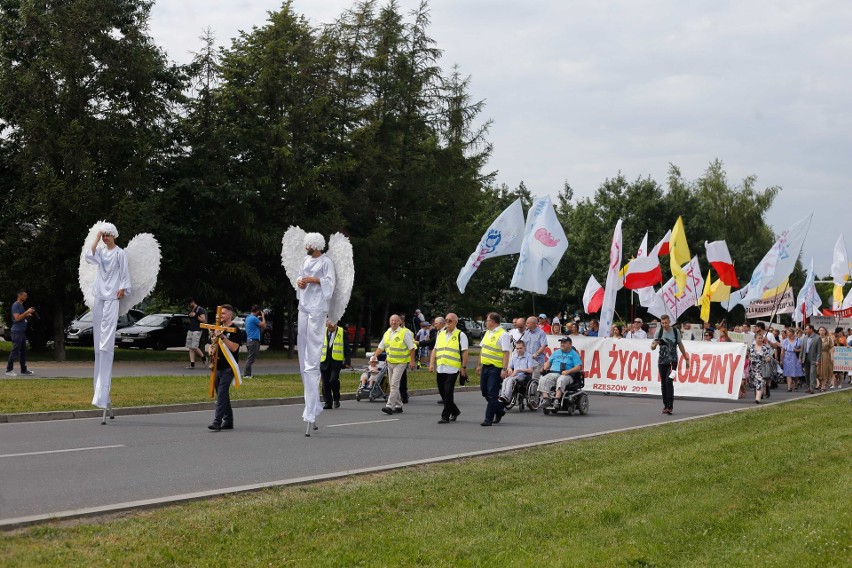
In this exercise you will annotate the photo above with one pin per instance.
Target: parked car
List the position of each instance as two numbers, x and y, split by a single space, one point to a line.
508 326
156 331
265 335
79 331
472 329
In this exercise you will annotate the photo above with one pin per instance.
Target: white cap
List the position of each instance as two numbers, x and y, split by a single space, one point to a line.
315 241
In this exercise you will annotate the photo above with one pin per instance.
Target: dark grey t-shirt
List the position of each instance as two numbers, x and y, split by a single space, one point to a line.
668 345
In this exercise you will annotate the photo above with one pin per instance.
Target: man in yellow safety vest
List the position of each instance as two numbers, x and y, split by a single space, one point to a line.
335 351
496 345
398 341
449 359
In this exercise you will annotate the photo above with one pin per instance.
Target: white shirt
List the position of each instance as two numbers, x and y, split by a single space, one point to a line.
113 272
463 345
314 298
407 339
636 334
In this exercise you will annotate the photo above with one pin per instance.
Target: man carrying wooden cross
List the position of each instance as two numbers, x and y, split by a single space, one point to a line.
225 338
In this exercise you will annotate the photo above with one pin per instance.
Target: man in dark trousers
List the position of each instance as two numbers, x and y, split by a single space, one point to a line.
19 335
335 352
224 416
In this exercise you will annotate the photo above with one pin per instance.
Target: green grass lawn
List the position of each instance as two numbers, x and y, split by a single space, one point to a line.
768 487
39 395
74 353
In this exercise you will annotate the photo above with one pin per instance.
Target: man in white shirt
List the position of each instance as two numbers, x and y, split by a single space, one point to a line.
398 341
636 332
449 359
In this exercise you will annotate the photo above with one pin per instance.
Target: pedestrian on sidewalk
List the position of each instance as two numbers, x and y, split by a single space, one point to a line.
19 335
255 324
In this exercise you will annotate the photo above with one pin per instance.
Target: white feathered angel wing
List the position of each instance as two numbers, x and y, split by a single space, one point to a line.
340 252
143 259
88 272
293 253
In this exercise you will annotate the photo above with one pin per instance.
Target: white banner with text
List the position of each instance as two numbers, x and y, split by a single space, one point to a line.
713 370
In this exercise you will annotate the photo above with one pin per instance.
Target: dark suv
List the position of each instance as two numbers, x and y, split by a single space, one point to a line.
157 331
79 331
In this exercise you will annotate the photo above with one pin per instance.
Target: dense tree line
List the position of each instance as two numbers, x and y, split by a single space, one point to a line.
352 126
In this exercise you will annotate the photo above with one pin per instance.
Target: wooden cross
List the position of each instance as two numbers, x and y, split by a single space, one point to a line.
215 355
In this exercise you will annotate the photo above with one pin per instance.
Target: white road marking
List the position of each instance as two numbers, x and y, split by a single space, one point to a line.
61 451
367 422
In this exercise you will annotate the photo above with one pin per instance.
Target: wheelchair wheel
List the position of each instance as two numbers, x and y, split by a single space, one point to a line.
533 401
358 394
372 398
583 404
570 409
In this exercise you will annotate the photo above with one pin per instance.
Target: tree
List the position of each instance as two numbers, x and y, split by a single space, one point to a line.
84 98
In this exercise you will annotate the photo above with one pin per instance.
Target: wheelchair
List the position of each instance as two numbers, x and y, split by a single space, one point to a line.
573 399
525 394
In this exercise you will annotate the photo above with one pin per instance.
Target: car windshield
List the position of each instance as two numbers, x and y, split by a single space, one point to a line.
153 321
85 317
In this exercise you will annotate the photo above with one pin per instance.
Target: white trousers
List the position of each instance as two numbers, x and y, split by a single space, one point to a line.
309 344
104 322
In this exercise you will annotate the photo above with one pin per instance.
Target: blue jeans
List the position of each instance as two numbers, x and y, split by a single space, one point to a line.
19 349
489 383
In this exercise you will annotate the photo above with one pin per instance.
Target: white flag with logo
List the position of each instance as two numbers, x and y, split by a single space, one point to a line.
667 301
613 281
808 300
779 262
503 237
543 246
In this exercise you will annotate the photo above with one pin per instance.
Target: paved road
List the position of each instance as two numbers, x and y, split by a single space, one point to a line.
51 467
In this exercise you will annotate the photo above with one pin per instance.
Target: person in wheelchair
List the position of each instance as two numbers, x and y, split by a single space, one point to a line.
564 370
520 369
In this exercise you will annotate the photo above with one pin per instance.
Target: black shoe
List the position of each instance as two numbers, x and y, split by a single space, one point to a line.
443 421
336 404
499 417
387 410
485 423
405 400
215 427
397 411
327 406
454 416
227 426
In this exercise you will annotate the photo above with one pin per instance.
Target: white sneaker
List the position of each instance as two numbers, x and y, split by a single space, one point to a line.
247 376
11 374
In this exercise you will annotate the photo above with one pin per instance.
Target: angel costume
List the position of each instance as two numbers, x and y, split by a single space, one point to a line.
317 301
102 274
113 275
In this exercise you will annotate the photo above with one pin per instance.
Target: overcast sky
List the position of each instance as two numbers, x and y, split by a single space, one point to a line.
579 91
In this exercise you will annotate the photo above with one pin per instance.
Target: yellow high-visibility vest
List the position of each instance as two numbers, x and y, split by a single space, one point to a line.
448 349
336 346
396 349
492 353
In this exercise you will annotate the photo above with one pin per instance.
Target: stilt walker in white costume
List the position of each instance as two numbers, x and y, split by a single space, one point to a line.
323 284
113 280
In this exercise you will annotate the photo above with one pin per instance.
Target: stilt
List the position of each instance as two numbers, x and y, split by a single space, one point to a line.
103 419
311 426
111 413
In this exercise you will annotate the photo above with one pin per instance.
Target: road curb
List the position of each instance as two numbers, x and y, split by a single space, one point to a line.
185 407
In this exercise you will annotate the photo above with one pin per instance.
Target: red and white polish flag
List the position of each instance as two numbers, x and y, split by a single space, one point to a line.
719 257
593 296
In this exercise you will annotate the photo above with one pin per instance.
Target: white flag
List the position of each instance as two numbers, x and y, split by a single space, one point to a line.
840 263
737 298
543 246
503 237
779 262
613 281
847 301
667 301
808 300
593 296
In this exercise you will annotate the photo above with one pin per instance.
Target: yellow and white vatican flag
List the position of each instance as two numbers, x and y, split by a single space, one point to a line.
229 357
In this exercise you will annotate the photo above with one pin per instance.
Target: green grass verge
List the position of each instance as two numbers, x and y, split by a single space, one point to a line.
768 487
40 395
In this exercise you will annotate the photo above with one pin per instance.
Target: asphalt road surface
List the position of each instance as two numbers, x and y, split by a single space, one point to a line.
57 467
